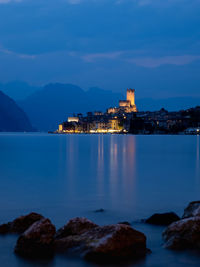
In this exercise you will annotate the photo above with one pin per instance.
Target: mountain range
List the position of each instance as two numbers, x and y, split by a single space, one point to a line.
12 117
18 90
50 105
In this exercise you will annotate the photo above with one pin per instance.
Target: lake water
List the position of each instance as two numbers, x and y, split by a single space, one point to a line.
131 177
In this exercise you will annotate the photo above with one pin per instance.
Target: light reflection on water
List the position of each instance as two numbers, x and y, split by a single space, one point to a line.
197 161
131 177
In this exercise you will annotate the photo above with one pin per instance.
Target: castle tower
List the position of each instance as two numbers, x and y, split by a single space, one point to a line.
130 96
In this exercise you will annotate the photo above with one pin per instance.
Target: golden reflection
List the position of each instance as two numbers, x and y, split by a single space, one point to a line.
71 151
100 150
111 158
129 168
100 165
114 168
122 168
197 159
61 156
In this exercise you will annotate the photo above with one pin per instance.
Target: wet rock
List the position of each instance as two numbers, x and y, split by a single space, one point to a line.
193 209
20 224
163 218
75 226
126 223
72 244
37 240
114 242
183 234
105 243
5 228
99 210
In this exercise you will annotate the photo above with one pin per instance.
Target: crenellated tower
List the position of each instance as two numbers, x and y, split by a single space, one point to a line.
130 96
127 105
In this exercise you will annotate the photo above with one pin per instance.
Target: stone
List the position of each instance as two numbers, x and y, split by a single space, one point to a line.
37 240
105 243
20 224
5 228
72 244
113 243
193 209
75 226
183 234
125 222
163 218
99 210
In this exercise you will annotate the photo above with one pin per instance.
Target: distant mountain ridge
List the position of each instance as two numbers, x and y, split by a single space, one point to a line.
18 90
171 104
50 105
12 117
53 103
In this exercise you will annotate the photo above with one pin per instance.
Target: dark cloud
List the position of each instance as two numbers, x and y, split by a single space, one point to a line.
110 44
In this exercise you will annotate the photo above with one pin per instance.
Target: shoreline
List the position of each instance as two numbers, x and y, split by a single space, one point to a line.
171 134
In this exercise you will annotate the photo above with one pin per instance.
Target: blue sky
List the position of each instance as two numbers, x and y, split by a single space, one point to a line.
150 45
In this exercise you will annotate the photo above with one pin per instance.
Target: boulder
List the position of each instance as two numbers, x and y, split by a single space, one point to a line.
113 243
75 226
5 228
105 243
99 210
125 222
183 234
20 224
163 218
193 209
37 240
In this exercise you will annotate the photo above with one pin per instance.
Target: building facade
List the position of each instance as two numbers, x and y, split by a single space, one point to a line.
127 105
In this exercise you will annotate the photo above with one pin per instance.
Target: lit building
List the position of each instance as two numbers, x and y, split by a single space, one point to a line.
73 119
127 105
130 96
98 113
112 110
60 129
113 121
124 103
115 125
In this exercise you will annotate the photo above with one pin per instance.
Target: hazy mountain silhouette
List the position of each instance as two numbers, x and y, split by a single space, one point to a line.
100 99
55 102
12 117
18 90
52 104
171 104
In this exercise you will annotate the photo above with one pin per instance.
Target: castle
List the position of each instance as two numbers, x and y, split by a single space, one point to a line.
126 119
127 105
112 121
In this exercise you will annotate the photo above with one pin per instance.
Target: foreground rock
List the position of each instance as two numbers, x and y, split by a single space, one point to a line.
114 242
183 234
125 222
163 218
20 224
99 210
75 226
37 241
193 209
105 243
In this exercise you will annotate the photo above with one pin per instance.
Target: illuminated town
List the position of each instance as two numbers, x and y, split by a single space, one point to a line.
127 119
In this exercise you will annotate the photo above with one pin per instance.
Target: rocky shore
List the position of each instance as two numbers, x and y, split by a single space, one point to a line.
38 237
80 237
185 233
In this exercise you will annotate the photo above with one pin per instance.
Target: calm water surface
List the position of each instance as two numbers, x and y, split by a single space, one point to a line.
131 177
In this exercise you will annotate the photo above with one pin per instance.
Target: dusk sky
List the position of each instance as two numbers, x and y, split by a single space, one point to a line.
150 45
